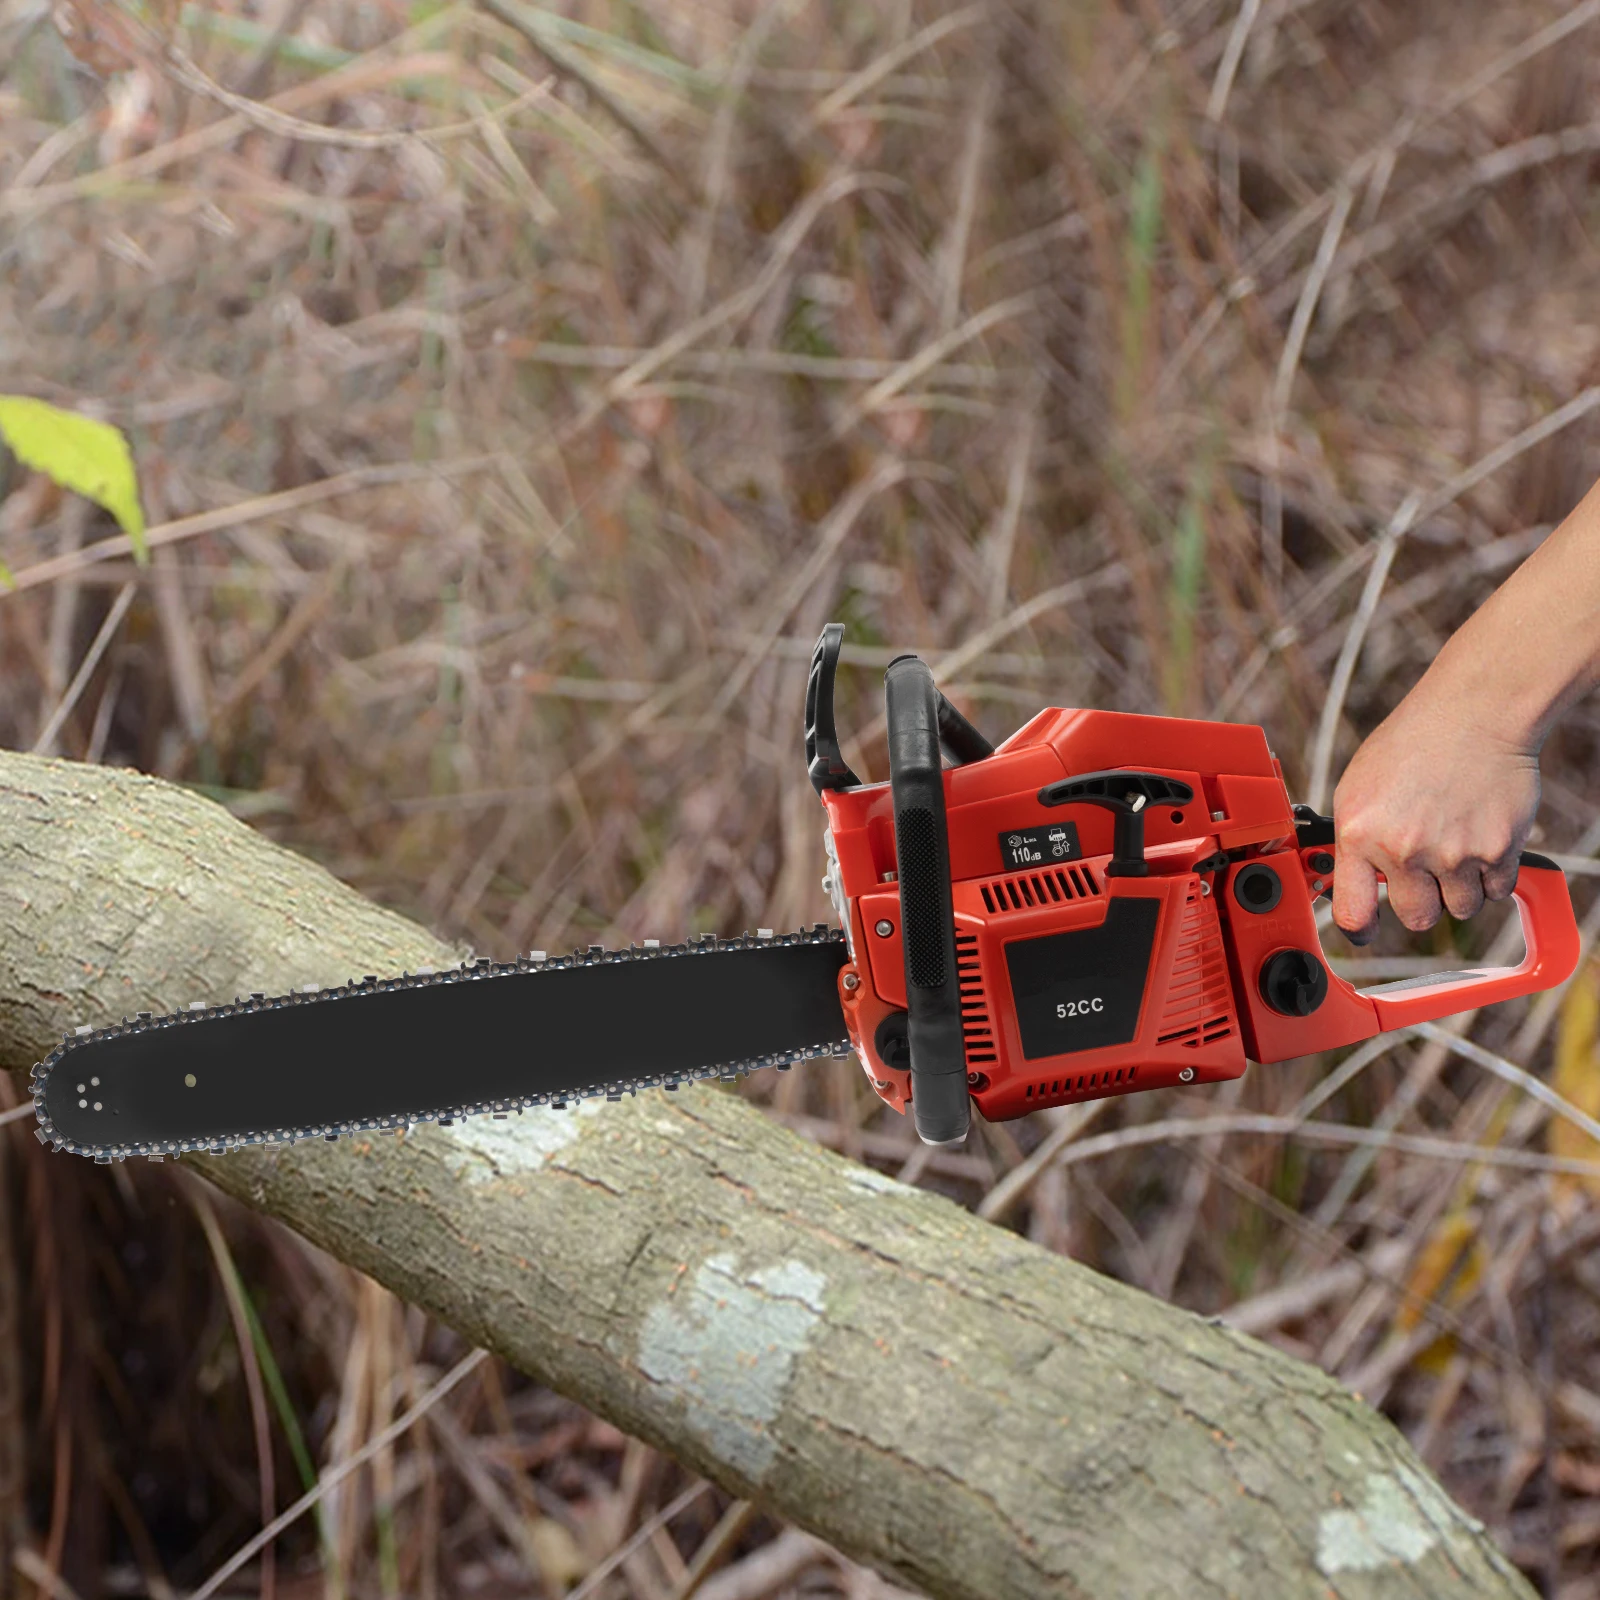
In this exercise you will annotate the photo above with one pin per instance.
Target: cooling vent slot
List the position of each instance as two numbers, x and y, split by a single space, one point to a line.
1054 1088
1026 891
1199 1007
977 1031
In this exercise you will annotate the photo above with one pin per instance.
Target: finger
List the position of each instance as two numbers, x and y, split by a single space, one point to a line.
1415 899
1462 891
1355 898
1500 879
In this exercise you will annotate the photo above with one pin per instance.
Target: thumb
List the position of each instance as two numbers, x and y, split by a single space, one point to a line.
1355 898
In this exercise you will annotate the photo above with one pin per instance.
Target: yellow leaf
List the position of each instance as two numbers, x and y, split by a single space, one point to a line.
560 1560
1435 1361
1456 1232
85 456
1577 1074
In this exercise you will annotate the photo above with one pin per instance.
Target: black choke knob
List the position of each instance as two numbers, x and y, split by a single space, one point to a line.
893 1042
1294 983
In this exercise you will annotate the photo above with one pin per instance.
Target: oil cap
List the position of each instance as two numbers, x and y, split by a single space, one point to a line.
1294 983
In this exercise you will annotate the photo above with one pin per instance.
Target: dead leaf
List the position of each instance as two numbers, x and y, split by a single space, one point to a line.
1576 1076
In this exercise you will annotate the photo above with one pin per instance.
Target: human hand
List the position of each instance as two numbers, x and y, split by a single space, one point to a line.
1440 802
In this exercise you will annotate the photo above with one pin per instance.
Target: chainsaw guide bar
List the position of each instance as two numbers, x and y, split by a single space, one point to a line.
501 1036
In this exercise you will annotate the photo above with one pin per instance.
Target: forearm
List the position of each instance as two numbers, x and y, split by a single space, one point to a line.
1534 647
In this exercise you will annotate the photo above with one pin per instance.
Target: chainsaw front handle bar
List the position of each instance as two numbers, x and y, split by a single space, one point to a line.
917 714
1549 930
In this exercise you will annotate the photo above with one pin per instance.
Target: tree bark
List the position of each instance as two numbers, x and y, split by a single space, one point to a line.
927 1392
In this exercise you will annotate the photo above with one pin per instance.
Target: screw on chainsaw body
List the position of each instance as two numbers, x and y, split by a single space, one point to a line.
884 928
852 981
1187 1075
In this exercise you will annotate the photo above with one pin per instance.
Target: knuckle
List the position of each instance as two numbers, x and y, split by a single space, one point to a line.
1350 815
1356 833
1409 845
1496 850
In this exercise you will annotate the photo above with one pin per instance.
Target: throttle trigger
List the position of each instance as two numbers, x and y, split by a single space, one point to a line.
1311 829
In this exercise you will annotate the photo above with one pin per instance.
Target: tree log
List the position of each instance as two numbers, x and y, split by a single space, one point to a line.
927 1392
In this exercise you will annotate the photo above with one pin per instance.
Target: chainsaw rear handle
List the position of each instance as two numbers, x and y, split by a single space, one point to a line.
1549 930
912 703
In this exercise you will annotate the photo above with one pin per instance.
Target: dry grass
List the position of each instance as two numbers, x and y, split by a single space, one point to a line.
517 391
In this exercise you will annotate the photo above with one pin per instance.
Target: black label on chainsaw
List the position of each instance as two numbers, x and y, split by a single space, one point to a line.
1082 989
1039 847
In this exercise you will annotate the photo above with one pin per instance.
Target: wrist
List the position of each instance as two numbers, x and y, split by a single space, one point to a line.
1509 700
1533 648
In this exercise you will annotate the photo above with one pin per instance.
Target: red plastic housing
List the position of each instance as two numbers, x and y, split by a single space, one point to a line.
1196 1012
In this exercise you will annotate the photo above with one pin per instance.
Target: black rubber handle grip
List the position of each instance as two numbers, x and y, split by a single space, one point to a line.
962 742
939 1098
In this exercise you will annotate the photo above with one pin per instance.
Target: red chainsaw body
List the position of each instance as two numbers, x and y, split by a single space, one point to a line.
1075 984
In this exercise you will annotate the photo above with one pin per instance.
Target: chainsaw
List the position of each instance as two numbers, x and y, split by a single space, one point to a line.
1102 904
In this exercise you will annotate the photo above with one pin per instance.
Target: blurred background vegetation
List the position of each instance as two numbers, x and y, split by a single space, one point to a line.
517 388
